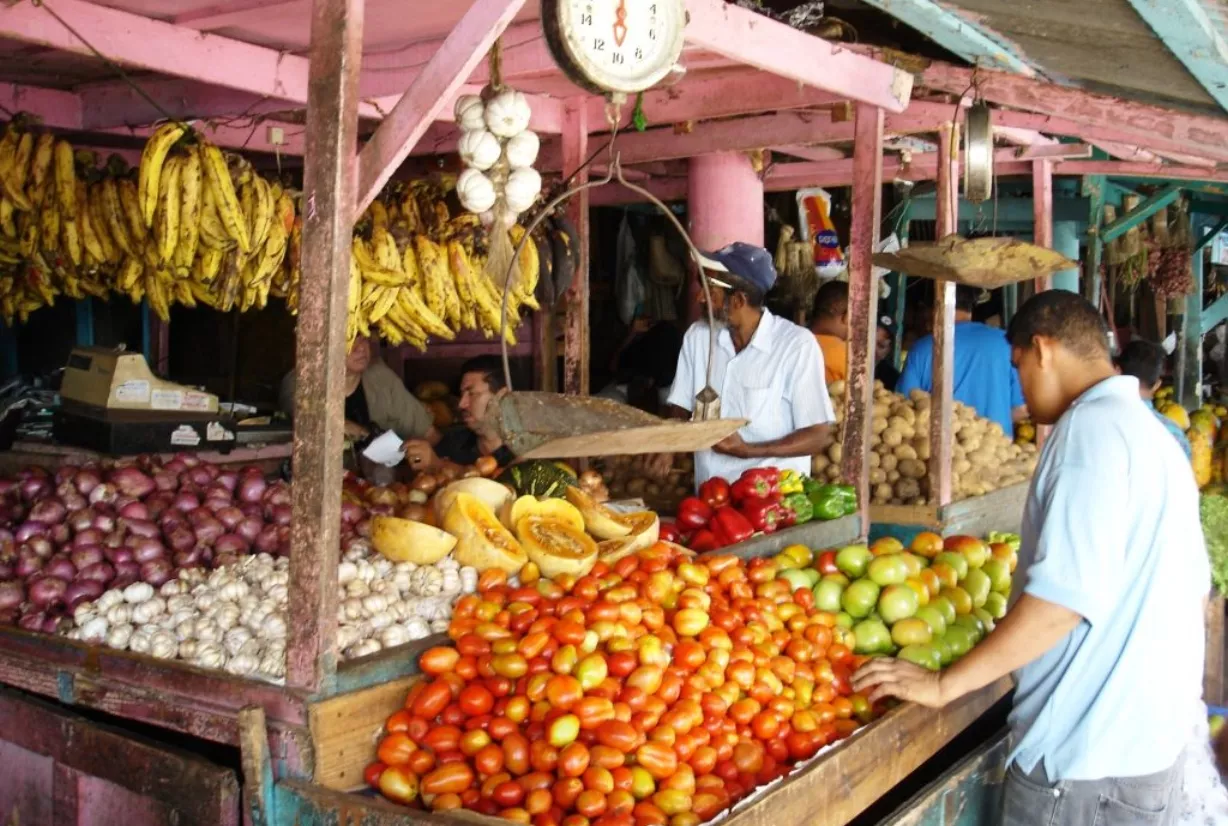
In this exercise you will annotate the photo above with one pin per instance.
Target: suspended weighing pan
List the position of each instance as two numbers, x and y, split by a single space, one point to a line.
987 263
536 425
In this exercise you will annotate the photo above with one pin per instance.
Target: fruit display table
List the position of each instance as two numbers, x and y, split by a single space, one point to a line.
831 789
972 789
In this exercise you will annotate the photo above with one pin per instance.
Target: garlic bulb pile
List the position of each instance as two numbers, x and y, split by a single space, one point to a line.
234 618
493 130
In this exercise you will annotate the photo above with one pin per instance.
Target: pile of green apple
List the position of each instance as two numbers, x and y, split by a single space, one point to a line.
928 604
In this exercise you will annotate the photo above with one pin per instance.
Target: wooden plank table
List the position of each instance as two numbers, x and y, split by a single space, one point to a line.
1001 510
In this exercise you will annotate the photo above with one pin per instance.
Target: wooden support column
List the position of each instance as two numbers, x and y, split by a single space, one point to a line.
1042 212
1189 382
943 381
863 302
1095 188
319 400
575 341
724 204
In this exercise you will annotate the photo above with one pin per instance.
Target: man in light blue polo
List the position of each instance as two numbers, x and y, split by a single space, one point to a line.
1105 635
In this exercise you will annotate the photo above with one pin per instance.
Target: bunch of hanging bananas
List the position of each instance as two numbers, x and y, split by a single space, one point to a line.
191 225
418 272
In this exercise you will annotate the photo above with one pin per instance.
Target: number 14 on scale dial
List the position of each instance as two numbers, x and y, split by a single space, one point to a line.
622 46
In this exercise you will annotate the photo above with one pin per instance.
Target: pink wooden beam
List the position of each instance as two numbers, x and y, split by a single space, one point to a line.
1126 152
1093 133
1022 137
1054 151
235 14
1042 212
943 374
759 41
56 109
863 301
252 137
716 95
431 91
1145 122
811 153
1188 160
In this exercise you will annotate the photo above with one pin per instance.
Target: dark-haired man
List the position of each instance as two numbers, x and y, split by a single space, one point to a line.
481 384
1145 361
830 326
984 378
1105 634
765 369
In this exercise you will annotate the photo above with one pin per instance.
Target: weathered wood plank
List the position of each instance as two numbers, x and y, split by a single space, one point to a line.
345 731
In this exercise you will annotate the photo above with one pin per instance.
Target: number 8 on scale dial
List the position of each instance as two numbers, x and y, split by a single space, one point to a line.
623 46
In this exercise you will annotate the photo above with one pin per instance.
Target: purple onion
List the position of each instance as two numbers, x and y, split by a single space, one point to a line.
12 595
61 567
81 520
120 554
105 493
141 527
32 621
47 592
147 550
89 536
98 572
82 590
134 510
86 555
267 540
229 543
249 529
207 531
132 482
86 480
180 539
30 528
104 522
156 572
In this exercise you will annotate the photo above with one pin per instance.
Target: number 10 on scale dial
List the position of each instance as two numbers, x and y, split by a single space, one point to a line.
623 46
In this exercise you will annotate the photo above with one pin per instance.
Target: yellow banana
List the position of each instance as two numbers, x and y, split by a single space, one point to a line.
16 171
65 169
49 219
153 162
208 264
416 309
189 212
385 249
130 201
89 237
93 202
217 177
281 225
170 201
462 275
434 273
112 212
40 168
70 234
354 294
28 227
7 227
130 273
262 212
212 232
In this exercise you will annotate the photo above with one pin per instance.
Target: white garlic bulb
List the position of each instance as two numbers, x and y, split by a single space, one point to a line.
84 613
138 592
119 636
357 588
274 627
479 149
210 655
380 621
187 649
393 636
417 628
251 648
95 630
522 189
163 645
242 665
205 600
107 600
186 630
469 579
522 149
374 604
363 648
139 642
475 191
173 587
207 631
439 626
234 639
279 593
119 614
346 572
427 581
180 603
508 113
450 582
148 610
352 608
272 666
233 591
469 111
347 635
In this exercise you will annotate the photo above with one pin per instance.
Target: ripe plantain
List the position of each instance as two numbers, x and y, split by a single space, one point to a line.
217 177
113 214
65 169
207 265
153 162
49 218
189 212
93 202
129 200
212 232
70 234
434 273
89 237
15 172
40 169
262 211
462 274
416 309
170 201
7 228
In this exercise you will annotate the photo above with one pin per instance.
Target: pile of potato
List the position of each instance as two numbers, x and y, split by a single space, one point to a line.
627 477
985 459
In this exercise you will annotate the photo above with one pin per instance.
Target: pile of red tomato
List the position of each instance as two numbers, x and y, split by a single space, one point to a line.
656 692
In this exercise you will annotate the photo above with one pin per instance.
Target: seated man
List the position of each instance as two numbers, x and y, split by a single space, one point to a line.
481 385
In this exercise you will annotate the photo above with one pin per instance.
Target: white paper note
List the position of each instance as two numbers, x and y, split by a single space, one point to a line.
387 449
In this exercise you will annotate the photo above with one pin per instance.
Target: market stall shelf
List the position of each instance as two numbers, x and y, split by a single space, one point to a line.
1001 510
816 534
969 794
26 454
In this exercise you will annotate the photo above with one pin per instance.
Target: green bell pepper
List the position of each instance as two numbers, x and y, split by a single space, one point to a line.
833 501
800 506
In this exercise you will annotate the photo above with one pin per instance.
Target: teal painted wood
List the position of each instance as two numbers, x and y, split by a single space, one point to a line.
1189 377
1202 187
970 794
381 668
1191 31
1217 208
1009 210
85 322
1214 315
1210 236
1140 213
146 332
957 33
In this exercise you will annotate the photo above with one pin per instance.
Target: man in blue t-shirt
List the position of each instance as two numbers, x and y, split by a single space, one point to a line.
984 377
1105 632
1145 361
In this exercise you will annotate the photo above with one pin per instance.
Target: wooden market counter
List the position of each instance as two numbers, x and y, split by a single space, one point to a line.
1001 510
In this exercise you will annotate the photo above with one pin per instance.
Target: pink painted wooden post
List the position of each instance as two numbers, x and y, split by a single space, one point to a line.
432 90
863 303
1042 211
575 335
941 406
328 220
724 204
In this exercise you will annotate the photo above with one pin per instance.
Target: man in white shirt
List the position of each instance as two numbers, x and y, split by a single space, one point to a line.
765 369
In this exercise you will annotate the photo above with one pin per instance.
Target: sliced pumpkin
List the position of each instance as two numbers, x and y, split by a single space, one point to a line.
487 491
543 508
557 547
599 520
645 526
403 540
482 541
613 550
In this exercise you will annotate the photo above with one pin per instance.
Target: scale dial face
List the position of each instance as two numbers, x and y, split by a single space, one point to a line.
622 46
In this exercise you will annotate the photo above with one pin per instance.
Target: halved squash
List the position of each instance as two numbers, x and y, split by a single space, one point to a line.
482 541
543 508
556 547
487 491
403 540
599 520
645 526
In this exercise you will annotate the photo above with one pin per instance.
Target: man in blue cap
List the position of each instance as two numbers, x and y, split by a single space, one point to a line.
765 369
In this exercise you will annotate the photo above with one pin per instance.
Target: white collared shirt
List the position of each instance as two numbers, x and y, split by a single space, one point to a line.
776 382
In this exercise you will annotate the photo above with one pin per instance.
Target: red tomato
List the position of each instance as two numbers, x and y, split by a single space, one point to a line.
399 721
442 738
399 785
573 760
516 754
454 777
566 790
438 660
475 700
508 793
395 749
658 759
371 773
618 735
421 761
488 760
590 803
433 700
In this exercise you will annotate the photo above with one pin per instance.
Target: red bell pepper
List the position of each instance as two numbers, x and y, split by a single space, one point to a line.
703 541
694 513
669 533
762 514
757 483
714 492
731 526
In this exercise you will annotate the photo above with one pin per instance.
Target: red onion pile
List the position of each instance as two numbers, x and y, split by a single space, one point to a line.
66 538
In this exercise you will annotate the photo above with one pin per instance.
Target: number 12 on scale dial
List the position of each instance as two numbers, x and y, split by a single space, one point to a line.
622 46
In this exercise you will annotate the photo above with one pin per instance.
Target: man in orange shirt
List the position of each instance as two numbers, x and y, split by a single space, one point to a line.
831 327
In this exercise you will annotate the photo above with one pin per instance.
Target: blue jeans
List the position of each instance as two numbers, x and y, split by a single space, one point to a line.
1032 800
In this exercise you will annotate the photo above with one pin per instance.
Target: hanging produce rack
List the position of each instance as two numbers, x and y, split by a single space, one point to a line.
987 263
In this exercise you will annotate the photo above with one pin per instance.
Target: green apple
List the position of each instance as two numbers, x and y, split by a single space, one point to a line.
853 560
888 570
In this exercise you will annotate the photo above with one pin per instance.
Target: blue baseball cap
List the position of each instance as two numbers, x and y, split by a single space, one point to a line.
747 267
